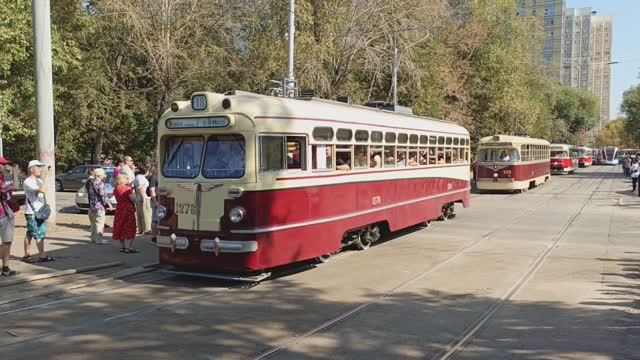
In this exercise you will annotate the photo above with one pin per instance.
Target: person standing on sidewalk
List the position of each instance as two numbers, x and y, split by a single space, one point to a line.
127 169
98 205
7 217
626 166
124 222
34 190
143 206
634 174
152 192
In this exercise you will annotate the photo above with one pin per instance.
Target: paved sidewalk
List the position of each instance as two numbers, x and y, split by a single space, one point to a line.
69 244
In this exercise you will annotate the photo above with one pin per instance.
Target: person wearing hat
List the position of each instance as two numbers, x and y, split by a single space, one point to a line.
34 190
7 216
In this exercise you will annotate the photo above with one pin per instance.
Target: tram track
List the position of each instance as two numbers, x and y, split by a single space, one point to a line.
478 324
222 290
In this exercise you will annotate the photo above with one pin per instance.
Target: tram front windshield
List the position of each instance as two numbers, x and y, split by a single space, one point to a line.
499 154
224 157
559 153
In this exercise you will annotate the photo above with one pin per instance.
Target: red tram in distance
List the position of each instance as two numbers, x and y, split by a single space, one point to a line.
251 182
511 163
564 158
585 156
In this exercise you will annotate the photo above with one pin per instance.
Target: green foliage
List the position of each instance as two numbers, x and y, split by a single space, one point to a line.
631 108
118 64
615 134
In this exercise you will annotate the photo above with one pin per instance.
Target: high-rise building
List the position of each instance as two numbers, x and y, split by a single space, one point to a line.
551 11
576 48
600 71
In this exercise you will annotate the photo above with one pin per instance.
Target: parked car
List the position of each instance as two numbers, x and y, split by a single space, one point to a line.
82 200
74 179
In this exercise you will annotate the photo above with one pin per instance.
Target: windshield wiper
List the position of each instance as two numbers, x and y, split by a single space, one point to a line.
175 152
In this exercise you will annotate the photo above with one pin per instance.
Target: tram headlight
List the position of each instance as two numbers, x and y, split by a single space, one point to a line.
161 212
237 214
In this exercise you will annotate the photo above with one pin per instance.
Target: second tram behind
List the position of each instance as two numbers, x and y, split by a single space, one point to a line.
585 156
251 182
511 163
564 158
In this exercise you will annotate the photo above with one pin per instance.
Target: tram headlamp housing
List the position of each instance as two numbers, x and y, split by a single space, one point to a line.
237 214
162 212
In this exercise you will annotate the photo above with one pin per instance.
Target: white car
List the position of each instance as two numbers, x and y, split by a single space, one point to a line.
82 200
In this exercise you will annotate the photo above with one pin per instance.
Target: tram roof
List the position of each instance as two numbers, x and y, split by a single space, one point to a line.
510 139
263 109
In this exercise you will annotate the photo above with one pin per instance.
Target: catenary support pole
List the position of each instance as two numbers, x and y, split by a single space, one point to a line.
290 80
44 93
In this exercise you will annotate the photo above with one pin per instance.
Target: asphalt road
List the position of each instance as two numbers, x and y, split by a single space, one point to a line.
549 274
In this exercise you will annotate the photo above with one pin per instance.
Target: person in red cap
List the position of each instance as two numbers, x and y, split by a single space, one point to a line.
7 215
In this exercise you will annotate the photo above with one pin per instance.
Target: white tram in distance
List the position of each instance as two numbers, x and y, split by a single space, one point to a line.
564 158
610 155
511 163
251 182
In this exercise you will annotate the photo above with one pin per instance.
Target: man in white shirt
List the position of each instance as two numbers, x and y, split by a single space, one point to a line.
127 169
143 203
34 190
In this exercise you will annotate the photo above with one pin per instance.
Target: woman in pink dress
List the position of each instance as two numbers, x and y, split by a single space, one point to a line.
124 222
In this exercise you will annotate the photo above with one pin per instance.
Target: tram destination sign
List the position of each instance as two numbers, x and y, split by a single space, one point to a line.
194 123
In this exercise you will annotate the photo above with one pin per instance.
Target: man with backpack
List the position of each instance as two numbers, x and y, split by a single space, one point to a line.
35 210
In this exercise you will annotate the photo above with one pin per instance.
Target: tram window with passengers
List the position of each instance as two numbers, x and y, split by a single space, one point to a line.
511 163
564 158
251 182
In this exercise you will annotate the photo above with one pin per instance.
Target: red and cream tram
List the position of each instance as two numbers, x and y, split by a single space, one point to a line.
251 182
564 158
585 156
511 163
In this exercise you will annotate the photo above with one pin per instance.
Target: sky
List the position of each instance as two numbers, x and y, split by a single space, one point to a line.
625 42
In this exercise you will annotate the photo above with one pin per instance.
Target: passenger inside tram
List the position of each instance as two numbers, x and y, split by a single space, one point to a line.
376 159
360 156
500 154
402 161
343 160
423 159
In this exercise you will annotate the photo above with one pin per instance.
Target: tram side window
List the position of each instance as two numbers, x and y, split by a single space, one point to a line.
224 157
360 156
375 157
401 156
183 157
272 156
448 155
322 158
343 158
296 146
423 156
389 156
413 157
432 156
440 156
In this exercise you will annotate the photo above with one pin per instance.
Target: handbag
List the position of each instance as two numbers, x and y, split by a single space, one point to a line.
43 213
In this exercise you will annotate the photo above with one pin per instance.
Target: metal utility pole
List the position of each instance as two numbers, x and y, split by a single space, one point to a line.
289 82
394 73
44 94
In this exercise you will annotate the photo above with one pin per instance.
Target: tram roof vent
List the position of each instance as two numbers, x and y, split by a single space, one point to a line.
382 105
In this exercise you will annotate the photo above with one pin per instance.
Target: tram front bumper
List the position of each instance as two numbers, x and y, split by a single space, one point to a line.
215 246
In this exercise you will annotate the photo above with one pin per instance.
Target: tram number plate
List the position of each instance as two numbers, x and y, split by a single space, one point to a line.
185 208
376 200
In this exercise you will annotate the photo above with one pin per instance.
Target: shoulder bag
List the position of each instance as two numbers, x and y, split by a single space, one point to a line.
43 213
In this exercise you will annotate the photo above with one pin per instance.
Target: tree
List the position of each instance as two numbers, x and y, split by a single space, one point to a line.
631 108
575 111
615 134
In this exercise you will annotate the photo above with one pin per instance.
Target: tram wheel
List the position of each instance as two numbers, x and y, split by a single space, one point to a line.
448 212
324 258
363 242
